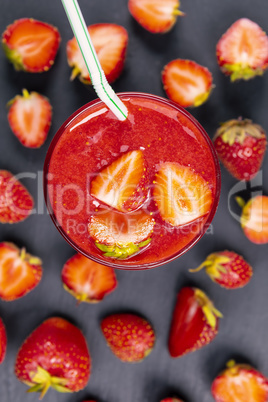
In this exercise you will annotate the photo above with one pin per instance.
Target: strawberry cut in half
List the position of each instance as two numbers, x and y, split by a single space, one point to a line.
31 45
156 16
254 218
29 118
122 184
241 146
120 235
180 194
110 42
87 280
242 52
3 341
227 268
186 82
130 337
20 272
171 400
240 383
194 324
54 355
16 203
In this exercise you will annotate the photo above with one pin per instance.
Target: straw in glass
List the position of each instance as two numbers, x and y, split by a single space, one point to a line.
97 76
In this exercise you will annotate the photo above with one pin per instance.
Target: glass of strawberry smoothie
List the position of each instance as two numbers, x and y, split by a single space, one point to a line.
134 194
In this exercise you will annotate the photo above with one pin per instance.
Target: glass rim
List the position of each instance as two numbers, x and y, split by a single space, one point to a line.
116 263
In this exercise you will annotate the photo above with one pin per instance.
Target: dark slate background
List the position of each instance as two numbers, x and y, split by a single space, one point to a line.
243 331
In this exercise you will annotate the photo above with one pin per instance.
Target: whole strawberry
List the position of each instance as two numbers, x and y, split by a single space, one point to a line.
194 324
171 400
20 272
31 45
241 145
130 337
242 52
3 341
54 355
29 118
240 383
16 203
227 268
254 218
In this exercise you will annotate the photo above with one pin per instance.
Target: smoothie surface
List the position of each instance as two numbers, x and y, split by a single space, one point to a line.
95 138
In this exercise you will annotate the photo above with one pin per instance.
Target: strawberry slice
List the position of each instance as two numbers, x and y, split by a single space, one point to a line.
121 235
240 382
180 194
254 218
227 268
31 45
16 203
3 341
121 184
110 42
29 118
86 280
20 272
130 337
242 52
186 82
194 324
157 16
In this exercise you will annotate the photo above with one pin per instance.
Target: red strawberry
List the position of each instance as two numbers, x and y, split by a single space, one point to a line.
31 45
86 280
194 324
171 400
241 146
242 52
20 272
110 42
54 355
186 82
130 337
254 219
29 118
240 383
3 341
122 183
227 268
121 235
181 195
15 201
157 16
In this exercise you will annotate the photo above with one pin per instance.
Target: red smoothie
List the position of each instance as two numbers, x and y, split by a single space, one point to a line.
157 139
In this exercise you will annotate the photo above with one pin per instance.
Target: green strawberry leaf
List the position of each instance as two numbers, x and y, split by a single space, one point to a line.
120 250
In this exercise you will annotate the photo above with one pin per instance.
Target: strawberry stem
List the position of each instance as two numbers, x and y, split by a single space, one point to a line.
25 93
203 265
43 381
210 312
23 254
240 201
178 12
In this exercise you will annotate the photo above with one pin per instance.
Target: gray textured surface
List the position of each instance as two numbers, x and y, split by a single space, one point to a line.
243 331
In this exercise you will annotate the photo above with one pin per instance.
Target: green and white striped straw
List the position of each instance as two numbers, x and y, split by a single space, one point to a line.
98 79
